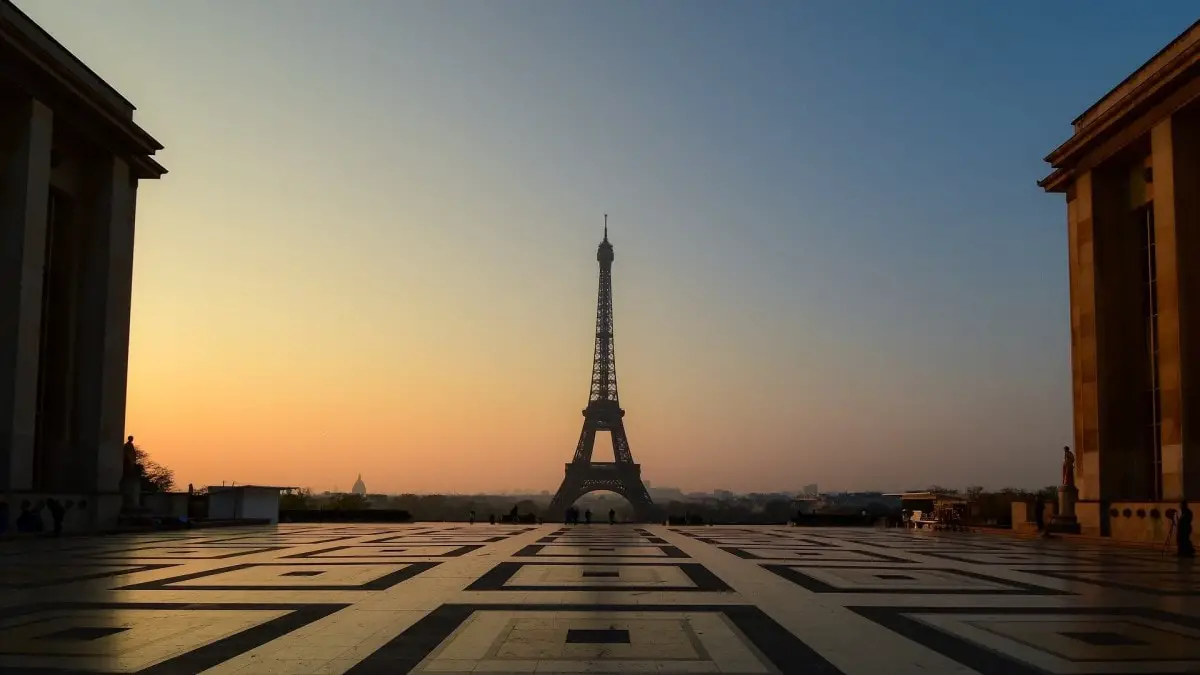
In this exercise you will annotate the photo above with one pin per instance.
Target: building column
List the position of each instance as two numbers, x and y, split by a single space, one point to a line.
1185 180
103 344
26 141
1122 362
1084 355
1169 346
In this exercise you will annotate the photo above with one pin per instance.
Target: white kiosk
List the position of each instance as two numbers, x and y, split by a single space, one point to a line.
227 502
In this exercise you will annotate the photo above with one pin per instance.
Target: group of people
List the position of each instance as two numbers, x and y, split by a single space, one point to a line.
514 517
572 517
29 521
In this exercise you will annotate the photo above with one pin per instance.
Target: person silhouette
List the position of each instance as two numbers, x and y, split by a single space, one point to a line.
472 518
612 516
56 514
1183 534
30 519
587 517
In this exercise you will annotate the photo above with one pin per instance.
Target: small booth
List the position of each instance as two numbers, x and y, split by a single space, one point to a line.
240 502
932 510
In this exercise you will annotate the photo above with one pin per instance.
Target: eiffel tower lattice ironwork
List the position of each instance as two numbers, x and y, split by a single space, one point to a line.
603 413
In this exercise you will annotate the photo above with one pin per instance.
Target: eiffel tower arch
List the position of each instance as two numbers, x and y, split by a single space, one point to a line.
603 413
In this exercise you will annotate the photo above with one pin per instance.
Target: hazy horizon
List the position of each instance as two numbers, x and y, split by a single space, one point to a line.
375 250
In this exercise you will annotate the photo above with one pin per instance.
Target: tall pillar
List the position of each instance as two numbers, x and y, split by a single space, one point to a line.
1085 387
1169 345
1185 177
1123 375
26 140
103 343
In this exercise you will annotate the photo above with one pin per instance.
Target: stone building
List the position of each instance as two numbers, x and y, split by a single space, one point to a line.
71 157
1131 176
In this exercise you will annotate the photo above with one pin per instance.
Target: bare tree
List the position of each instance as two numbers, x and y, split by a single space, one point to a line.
155 477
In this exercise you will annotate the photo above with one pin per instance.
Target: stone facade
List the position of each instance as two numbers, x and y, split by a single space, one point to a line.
71 157
1131 177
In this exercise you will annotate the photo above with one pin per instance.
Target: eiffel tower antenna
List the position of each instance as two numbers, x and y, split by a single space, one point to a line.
603 413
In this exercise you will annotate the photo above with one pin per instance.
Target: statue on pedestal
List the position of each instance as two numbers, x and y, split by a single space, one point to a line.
130 467
1064 520
131 476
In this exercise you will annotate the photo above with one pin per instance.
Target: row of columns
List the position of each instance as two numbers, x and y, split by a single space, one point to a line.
93 360
1110 356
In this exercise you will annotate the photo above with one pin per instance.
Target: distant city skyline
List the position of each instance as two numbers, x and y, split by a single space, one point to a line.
833 264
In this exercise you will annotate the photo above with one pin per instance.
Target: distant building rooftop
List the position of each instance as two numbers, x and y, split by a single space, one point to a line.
223 488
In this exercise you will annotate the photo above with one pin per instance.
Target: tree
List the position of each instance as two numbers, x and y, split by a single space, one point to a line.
527 506
973 492
348 502
778 510
295 501
154 476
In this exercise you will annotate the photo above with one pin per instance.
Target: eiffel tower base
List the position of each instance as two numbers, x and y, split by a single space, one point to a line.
623 478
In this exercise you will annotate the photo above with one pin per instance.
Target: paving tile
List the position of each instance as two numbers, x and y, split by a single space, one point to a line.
450 598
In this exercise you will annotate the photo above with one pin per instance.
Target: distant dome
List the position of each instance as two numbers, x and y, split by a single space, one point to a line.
359 488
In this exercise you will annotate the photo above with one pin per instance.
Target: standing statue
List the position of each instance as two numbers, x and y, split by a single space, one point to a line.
1068 467
130 467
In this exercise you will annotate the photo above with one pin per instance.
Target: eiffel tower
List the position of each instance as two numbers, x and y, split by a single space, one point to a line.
603 413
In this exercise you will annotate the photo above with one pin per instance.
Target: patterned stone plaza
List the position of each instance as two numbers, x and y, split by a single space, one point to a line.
454 598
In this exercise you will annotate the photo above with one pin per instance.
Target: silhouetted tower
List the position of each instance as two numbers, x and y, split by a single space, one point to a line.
603 413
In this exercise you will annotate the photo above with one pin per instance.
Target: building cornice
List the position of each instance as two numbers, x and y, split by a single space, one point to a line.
26 41
1157 81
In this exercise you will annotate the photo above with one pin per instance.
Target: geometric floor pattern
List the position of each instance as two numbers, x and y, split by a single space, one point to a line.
456 598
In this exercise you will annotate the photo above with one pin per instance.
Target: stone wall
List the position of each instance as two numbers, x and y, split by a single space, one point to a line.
1144 522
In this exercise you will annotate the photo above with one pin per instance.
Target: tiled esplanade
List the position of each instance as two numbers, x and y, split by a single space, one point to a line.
1131 177
71 158
456 598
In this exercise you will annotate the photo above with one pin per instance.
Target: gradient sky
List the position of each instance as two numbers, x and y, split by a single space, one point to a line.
375 248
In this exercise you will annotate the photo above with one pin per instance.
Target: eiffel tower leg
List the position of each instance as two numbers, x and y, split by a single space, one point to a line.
634 490
570 490
587 441
623 478
620 443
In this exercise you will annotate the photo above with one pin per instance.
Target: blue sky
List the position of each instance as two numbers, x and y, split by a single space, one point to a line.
833 261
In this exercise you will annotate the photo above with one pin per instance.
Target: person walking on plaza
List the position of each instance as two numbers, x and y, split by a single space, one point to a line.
612 516
1183 534
587 517
56 514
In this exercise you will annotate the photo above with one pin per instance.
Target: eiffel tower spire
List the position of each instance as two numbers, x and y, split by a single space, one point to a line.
604 358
